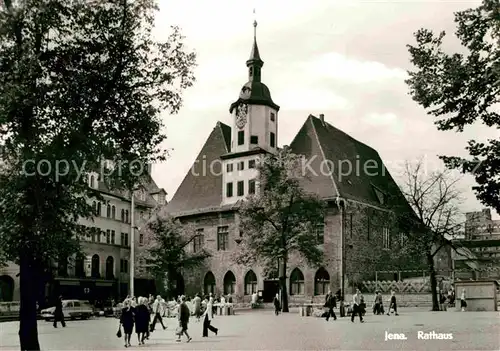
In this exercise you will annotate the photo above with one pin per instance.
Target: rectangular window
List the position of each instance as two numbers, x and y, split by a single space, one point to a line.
241 166
254 139
251 186
320 232
198 240
251 164
124 266
113 237
297 287
241 137
241 188
141 239
272 142
229 189
273 117
386 238
223 238
108 236
126 239
122 239
229 167
402 238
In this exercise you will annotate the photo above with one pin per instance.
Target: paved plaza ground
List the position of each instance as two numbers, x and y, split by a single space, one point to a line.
261 330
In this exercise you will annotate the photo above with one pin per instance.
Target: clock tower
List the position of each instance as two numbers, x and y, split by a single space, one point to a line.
254 131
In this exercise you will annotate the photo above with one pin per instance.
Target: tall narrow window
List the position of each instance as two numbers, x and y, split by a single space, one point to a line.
241 188
273 117
108 236
254 139
320 231
141 239
251 164
229 167
222 238
113 212
108 211
241 137
251 186
386 238
241 166
126 239
199 240
113 237
272 141
229 189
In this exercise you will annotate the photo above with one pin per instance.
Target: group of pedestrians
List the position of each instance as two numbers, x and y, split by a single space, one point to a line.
358 306
137 312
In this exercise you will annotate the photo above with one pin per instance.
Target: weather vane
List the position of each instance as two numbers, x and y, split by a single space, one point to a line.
254 24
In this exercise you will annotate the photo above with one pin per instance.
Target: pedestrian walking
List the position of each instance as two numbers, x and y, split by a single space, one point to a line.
356 306
393 306
277 307
463 302
142 320
330 303
157 310
184 313
197 306
127 321
208 316
58 313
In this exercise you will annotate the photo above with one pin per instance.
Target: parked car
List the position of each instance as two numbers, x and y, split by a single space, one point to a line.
72 309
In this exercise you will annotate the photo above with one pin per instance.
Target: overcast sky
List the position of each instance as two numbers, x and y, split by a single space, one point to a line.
345 59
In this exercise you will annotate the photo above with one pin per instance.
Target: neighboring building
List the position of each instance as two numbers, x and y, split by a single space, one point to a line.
482 239
104 270
224 173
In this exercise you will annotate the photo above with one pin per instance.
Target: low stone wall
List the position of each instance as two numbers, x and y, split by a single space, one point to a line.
403 300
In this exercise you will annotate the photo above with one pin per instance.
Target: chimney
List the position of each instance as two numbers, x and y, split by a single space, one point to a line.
322 118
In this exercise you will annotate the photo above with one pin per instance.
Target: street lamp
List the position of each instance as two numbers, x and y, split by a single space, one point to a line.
132 240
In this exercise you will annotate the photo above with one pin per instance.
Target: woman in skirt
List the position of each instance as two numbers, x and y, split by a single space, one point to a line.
127 321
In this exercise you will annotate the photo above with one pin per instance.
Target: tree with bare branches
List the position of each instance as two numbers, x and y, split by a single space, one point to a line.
171 248
435 198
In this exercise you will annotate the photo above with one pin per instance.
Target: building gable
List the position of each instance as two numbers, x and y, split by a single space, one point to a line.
202 185
317 180
358 172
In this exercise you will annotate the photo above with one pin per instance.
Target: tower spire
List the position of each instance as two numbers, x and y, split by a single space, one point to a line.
254 63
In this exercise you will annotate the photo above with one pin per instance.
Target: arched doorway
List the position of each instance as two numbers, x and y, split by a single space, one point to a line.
179 285
321 282
296 282
229 283
95 270
250 283
6 288
110 263
209 283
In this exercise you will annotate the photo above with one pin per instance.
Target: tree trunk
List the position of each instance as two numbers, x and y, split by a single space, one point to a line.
432 274
28 333
284 293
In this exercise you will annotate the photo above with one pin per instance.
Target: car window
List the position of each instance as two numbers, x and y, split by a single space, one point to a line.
76 304
67 304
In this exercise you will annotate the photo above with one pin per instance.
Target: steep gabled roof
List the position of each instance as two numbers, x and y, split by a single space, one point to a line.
356 170
202 188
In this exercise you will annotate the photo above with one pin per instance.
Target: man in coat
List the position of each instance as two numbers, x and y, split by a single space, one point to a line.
58 313
330 303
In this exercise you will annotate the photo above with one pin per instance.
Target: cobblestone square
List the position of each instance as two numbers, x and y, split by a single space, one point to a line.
261 330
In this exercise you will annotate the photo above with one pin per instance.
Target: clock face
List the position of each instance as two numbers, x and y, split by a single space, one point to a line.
241 115
245 92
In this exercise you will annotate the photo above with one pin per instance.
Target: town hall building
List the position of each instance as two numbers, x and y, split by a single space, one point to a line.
358 223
